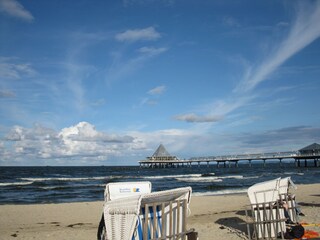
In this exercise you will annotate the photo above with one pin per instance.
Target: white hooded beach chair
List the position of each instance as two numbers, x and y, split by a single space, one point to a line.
266 210
157 215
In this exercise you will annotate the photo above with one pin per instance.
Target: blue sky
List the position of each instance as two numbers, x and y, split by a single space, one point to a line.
105 82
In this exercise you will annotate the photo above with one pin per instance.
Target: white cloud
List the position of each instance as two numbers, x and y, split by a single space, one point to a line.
15 9
191 117
79 142
11 69
121 68
152 50
83 144
304 31
145 34
157 90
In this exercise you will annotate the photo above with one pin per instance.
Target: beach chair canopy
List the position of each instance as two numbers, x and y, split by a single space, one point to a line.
285 184
264 192
124 216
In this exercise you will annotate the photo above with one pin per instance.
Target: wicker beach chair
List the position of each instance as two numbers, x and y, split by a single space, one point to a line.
144 216
119 190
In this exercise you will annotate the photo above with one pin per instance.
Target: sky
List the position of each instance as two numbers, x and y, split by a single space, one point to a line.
106 82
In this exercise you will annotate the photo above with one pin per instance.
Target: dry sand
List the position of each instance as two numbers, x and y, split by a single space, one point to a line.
213 217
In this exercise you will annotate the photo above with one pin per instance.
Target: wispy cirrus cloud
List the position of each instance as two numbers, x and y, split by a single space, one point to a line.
15 9
157 90
133 35
11 68
152 50
305 30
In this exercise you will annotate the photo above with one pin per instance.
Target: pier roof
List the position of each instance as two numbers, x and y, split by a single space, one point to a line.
161 155
314 146
161 152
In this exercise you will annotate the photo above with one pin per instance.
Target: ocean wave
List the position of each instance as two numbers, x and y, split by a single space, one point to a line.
200 179
15 184
83 186
293 173
220 192
172 176
63 179
232 176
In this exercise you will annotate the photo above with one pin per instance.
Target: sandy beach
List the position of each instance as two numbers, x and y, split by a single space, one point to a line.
213 217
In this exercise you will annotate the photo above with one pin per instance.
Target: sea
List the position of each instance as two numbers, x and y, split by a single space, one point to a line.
33 185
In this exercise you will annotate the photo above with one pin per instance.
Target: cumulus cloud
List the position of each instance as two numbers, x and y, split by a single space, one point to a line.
81 142
157 90
15 9
191 117
145 34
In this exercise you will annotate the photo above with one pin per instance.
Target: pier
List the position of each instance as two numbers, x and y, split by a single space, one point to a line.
305 157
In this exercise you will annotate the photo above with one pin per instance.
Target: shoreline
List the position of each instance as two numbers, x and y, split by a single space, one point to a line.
213 217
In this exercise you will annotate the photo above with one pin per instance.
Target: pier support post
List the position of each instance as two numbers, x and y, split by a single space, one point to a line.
236 164
264 162
207 163
280 163
249 163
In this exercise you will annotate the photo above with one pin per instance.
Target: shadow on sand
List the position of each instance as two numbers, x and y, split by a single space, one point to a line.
235 225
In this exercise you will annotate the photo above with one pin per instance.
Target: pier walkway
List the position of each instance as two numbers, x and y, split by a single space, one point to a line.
299 159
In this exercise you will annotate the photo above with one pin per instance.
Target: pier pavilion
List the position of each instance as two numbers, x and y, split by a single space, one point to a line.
162 159
310 152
